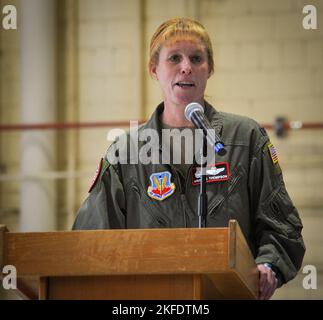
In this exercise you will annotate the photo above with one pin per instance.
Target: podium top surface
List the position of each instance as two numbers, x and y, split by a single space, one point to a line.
130 252
99 252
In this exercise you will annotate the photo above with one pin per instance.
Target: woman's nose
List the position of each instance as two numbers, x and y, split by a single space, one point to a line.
186 67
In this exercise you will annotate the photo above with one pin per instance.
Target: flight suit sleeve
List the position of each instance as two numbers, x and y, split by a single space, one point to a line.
276 222
104 207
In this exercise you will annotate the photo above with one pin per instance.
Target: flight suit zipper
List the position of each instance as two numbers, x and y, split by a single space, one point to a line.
184 205
220 198
234 180
216 203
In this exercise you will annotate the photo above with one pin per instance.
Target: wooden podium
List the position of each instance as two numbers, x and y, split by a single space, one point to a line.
209 263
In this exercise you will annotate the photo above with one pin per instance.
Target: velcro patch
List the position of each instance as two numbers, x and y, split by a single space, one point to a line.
273 153
102 167
214 173
96 175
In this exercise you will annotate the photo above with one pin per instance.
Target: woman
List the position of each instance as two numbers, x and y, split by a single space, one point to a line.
249 189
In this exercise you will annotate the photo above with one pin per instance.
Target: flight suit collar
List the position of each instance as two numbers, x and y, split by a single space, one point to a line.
211 114
214 118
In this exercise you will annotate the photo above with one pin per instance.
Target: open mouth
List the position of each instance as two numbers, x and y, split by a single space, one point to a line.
183 84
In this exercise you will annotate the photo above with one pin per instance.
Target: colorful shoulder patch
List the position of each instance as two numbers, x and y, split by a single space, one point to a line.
273 153
102 166
161 186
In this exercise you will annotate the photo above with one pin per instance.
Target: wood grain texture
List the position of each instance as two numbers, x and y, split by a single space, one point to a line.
197 287
241 260
232 243
211 263
154 251
43 288
130 287
225 285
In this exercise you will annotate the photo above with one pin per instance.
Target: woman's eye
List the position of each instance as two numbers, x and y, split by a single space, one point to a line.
196 59
174 58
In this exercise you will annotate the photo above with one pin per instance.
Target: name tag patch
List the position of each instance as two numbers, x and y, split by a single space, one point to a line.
215 172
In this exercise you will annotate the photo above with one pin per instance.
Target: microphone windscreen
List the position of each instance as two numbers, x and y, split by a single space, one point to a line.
192 107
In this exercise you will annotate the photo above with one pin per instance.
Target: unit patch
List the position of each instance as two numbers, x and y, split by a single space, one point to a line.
96 175
161 186
102 167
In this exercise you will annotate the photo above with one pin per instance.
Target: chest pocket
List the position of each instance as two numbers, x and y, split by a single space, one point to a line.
144 209
226 190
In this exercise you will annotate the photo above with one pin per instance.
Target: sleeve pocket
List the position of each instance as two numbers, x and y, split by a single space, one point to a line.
281 214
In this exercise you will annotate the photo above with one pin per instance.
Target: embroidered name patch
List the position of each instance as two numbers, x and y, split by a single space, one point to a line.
161 186
273 153
215 172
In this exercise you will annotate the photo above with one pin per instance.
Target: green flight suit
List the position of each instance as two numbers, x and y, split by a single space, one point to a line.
254 194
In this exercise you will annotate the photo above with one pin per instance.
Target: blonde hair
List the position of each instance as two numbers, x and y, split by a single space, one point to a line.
179 29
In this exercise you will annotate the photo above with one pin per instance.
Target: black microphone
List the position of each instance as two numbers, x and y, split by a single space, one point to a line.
194 112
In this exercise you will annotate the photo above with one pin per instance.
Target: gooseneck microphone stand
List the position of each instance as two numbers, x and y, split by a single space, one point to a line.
202 200
194 112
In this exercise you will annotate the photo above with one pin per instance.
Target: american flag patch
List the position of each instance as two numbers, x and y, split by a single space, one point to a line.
273 153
